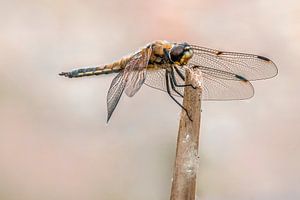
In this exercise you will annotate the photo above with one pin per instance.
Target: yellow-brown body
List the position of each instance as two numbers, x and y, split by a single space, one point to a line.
159 59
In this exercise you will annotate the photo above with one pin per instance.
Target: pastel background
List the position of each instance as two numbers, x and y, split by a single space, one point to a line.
54 140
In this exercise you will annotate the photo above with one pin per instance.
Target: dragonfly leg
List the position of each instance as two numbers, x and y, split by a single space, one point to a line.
179 73
182 77
169 92
174 88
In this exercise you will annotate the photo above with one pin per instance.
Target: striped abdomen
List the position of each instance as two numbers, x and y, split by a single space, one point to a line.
90 71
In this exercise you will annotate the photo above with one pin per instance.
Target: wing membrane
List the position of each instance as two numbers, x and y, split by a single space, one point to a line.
114 93
249 66
130 79
217 85
156 79
135 71
221 85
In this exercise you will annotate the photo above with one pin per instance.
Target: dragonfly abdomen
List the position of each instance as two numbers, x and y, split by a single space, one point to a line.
91 71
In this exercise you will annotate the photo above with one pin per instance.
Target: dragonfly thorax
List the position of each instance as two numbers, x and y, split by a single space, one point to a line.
180 54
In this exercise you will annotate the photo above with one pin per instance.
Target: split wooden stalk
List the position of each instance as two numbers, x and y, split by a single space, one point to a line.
186 160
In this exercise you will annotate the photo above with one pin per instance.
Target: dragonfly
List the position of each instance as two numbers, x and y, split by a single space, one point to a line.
162 65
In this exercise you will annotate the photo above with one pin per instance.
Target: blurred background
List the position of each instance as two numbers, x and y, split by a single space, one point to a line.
54 140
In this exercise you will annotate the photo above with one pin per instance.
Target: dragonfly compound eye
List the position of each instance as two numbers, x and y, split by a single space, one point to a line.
176 53
180 54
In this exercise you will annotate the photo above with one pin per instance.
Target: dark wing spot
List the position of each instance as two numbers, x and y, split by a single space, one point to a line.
263 58
219 53
241 78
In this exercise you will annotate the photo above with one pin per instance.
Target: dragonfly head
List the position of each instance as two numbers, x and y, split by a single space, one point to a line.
180 54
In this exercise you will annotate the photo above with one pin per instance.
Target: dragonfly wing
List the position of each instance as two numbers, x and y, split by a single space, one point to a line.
251 67
156 79
135 71
114 93
130 79
222 85
217 84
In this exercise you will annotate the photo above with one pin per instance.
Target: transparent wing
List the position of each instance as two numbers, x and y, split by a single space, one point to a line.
130 79
221 85
156 79
114 93
249 66
135 71
217 85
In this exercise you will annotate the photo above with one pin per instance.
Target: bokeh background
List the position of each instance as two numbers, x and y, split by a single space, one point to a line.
54 140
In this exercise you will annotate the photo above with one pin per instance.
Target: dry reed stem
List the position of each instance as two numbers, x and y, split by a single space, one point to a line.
186 160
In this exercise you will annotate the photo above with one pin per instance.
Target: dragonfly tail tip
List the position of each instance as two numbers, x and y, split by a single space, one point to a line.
66 74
